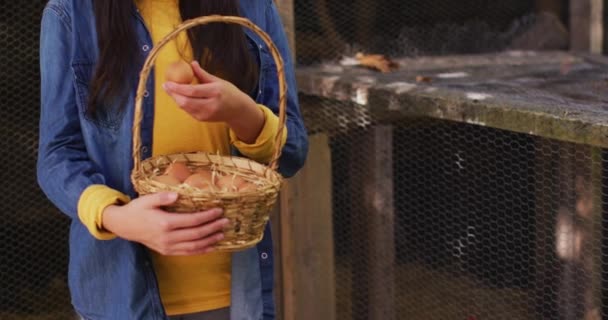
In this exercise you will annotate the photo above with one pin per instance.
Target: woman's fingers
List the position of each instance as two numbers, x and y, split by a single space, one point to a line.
156 200
189 233
199 109
175 221
198 232
206 90
202 75
201 246
189 102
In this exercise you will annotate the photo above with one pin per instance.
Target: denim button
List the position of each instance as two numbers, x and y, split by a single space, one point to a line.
264 255
146 94
145 47
144 150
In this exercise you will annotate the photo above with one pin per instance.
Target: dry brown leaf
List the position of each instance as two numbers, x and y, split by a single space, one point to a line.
423 79
377 62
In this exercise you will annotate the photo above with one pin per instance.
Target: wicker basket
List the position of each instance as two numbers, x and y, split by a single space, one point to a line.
248 211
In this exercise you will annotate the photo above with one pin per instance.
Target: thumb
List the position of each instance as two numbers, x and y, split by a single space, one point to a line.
202 75
159 199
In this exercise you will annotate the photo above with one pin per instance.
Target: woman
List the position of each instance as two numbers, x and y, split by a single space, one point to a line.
128 258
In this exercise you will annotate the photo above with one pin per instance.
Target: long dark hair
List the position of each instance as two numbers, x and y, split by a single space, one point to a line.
220 48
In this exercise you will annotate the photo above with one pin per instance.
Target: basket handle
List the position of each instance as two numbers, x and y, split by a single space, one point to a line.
147 67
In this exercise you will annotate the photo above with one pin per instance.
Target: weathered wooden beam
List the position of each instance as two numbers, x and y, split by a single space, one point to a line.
275 225
586 25
365 17
546 203
568 231
578 232
328 44
379 204
565 103
307 247
554 6
373 224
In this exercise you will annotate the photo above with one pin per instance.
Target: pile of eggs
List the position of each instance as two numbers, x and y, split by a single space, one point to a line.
178 174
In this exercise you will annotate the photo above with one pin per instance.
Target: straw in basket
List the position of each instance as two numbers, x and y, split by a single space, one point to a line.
248 211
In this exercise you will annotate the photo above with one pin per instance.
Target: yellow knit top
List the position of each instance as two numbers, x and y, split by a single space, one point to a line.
187 284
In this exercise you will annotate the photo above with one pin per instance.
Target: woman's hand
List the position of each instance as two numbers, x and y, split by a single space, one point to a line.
143 221
217 100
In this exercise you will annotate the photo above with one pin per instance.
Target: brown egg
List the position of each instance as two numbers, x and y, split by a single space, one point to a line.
239 182
207 173
200 180
180 72
225 183
179 171
230 182
247 186
168 180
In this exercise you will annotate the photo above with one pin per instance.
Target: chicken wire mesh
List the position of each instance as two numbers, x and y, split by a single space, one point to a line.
483 223
33 235
327 30
486 223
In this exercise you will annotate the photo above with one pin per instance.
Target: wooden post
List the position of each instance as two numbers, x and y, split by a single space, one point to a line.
373 224
546 204
327 44
307 247
379 204
287 17
365 17
554 6
568 232
286 10
275 225
586 25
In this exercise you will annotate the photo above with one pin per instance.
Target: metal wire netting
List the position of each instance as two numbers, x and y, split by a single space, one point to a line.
327 30
483 223
33 234
488 224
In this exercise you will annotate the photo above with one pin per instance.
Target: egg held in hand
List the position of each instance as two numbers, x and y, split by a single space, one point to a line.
180 72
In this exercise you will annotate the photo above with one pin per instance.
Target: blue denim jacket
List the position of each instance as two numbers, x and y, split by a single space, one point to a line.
115 280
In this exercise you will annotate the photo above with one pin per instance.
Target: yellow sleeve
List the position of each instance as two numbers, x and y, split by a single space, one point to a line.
263 148
91 204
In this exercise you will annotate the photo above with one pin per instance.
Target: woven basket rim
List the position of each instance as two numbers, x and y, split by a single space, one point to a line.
148 66
273 179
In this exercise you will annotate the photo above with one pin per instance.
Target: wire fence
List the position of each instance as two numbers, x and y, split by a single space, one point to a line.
488 223
33 234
